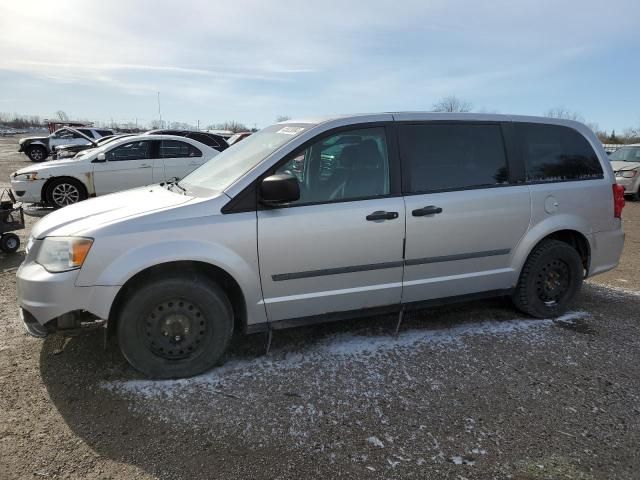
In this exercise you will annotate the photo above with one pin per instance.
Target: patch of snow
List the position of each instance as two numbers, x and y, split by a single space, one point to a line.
459 460
337 347
375 441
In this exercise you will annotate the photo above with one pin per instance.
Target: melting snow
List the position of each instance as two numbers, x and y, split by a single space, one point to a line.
335 348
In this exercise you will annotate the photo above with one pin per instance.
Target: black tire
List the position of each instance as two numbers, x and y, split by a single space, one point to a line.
636 196
550 280
64 191
37 153
155 328
9 243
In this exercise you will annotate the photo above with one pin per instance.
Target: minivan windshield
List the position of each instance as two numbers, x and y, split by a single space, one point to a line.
626 154
226 167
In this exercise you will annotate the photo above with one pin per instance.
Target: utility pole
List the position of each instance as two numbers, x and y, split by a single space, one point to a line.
198 125
159 111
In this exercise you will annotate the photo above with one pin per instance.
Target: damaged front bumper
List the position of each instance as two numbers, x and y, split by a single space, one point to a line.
51 302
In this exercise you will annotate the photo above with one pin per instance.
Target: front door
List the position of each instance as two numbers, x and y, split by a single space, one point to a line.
127 165
464 217
339 247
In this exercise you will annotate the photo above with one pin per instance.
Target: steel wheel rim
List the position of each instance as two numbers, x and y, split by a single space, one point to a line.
65 194
176 329
12 243
552 282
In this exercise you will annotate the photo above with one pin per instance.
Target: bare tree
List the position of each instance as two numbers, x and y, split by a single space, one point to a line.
452 104
563 113
62 116
282 118
229 125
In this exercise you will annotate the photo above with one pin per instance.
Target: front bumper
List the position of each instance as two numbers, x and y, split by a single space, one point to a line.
28 191
46 296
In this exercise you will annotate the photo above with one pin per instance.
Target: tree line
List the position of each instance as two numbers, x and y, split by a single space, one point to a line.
449 103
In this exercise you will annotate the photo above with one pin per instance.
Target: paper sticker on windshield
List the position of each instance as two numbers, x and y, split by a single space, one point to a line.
290 130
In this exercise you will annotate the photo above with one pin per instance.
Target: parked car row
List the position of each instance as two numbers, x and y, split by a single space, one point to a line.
68 141
120 163
315 220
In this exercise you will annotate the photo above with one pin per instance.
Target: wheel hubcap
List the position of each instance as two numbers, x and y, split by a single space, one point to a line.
175 329
12 243
65 194
36 154
553 282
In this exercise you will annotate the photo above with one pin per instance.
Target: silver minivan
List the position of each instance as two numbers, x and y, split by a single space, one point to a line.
322 219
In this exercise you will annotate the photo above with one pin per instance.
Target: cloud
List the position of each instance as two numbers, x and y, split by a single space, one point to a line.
362 54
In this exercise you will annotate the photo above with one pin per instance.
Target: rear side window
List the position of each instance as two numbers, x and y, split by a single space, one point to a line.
440 157
104 133
554 153
176 149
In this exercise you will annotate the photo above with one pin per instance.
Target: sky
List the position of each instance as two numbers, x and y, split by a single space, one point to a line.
252 61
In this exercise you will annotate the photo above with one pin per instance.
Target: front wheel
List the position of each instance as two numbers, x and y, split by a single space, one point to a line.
550 279
65 191
37 153
175 327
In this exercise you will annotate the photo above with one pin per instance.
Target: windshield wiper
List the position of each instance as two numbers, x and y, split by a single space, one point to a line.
172 182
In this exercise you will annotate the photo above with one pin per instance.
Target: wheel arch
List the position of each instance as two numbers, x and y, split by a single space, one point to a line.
225 280
50 180
573 233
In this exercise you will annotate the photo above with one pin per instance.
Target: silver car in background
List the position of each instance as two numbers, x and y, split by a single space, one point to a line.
321 219
626 166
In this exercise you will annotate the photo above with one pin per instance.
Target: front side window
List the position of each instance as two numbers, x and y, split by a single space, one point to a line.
177 149
626 154
344 166
555 153
438 157
139 150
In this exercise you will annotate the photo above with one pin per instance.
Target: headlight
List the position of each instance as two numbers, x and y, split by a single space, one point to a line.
627 173
29 245
26 176
60 254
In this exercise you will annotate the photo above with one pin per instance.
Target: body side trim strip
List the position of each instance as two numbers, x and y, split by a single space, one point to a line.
460 256
379 266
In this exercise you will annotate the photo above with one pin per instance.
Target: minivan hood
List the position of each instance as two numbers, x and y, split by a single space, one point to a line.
618 165
96 212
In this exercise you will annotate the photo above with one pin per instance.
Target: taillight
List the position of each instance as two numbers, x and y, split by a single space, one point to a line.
618 200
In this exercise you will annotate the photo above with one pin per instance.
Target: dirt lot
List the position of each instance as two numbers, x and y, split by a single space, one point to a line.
473 391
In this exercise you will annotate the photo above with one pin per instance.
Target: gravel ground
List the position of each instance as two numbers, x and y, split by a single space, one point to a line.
472 391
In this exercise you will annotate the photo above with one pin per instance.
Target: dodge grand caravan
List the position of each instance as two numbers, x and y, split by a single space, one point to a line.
322 219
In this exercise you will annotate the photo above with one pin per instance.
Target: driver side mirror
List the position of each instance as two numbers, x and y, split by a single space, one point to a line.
101 158
279 190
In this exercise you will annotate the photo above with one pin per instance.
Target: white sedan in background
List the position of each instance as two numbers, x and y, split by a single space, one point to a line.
125 163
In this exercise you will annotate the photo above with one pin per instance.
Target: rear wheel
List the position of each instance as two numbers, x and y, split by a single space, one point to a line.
9 243
37 153
65 191
550 279
175 327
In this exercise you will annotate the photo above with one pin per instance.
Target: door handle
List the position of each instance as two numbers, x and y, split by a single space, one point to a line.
429 210
144 165
382 215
